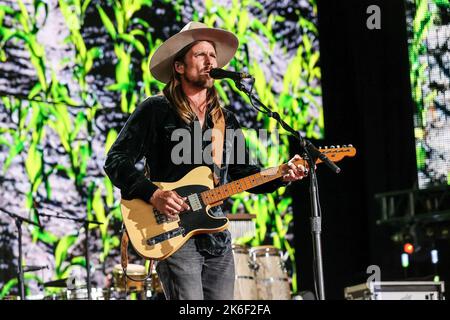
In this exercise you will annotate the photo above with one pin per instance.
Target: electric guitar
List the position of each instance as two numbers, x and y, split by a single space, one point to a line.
155 236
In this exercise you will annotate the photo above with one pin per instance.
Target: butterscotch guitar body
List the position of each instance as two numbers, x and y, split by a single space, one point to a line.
153 236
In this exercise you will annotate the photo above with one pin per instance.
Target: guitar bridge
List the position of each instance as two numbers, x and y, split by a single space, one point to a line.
165 236
161 217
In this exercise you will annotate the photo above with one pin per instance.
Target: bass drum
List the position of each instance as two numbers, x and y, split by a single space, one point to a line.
244 284
272 282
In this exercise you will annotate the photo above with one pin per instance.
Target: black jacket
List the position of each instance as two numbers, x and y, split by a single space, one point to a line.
147 133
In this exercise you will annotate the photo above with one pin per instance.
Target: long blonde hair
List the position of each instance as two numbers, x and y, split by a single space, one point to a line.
180 101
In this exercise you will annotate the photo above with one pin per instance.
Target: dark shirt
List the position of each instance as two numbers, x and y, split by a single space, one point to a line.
147 133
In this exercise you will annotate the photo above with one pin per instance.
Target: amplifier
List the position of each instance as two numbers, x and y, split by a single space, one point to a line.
396 290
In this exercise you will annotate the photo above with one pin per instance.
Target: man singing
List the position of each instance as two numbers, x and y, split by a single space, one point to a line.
203 268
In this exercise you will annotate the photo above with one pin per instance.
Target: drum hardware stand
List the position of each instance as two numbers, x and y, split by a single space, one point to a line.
86 223
19 220
310 154
253 265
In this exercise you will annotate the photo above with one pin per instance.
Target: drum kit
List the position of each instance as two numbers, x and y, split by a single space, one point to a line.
260 274
120 288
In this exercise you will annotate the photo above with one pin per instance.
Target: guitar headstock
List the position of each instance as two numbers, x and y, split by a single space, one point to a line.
334 153
337 153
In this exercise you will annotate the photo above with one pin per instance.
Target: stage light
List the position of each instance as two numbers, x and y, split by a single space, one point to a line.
405 260
434 256
408 248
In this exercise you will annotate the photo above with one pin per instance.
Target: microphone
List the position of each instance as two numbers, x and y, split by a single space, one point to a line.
217 73
315 153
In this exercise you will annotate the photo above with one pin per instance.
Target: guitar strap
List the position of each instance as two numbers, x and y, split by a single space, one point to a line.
124 258
217 137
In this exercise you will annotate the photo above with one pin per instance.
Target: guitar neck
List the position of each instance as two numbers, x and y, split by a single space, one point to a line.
217 195
227 190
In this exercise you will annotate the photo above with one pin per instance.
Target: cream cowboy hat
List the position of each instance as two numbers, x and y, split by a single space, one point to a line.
226 44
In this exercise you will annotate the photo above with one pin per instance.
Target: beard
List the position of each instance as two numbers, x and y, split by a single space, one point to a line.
202 81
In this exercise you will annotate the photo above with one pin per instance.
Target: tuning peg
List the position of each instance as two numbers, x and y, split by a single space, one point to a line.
326 147
350 146
338 146
332 147
344 146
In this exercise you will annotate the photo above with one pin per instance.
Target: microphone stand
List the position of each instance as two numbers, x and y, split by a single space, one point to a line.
311 154
19 220
86 223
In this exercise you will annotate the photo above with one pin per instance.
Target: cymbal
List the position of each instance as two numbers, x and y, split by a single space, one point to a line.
60 283
33 268
240 216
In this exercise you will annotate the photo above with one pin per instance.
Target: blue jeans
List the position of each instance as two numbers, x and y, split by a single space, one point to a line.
192 275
